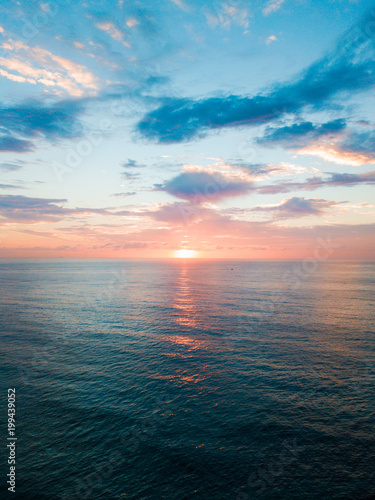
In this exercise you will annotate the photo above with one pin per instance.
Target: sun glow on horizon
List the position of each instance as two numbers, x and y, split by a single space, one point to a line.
185 254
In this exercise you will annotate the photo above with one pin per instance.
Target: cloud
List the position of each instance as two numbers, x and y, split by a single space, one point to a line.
129 176
131 22
354 149
362 143
336 154
113 31
223 237
132 164
10 143
298 207
259 171
179 213
16 78
29 210
124 246
226 14
272 6
33 119
11 167
334 180
349 68
36 65
181 5
299 134
330 141
130 193
10 186
23 208
271 39
45 249
201 186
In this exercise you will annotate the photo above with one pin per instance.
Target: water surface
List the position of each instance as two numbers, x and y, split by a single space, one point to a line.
189 379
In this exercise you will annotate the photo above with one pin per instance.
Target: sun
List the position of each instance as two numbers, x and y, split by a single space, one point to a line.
185 254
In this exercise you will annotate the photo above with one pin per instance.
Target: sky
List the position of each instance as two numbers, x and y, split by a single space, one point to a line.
186 128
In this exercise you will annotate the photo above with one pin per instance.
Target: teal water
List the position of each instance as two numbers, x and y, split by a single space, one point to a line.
189 379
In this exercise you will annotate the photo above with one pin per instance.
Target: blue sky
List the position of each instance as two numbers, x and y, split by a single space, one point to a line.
234 129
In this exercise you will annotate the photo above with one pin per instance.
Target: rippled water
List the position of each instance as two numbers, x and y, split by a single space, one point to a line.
190 379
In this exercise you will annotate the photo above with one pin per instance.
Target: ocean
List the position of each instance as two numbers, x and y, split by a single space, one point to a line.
189 379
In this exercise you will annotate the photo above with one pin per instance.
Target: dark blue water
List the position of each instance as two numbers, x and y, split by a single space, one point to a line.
190 379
